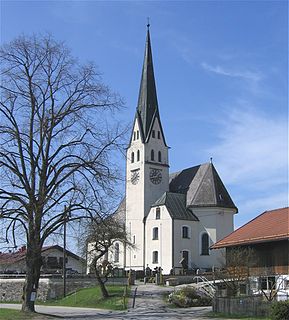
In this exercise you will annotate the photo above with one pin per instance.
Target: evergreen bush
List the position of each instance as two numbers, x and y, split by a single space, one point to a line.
280 310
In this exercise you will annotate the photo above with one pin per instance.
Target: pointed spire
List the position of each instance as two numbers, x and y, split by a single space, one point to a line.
147 107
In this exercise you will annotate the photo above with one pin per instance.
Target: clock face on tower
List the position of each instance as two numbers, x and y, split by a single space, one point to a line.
134 176
156 176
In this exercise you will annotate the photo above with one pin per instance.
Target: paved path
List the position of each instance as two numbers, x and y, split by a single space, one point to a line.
149 305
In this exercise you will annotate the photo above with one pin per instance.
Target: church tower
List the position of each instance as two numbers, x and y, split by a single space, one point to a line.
147 164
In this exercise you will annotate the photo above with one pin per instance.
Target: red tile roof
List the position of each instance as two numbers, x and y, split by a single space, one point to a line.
269 226
10 258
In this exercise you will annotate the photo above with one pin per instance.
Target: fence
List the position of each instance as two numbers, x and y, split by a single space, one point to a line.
252 306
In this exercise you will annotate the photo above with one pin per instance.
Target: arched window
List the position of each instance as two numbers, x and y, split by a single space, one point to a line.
205 244
155 233
160 156
152 155
185 232
116 252
137 135
155 257
132 157
153 134
158 213
137 156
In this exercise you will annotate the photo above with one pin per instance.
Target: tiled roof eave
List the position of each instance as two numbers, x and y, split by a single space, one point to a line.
279 237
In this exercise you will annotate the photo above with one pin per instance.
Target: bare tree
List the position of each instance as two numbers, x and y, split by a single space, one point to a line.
101 238
236 267
55 144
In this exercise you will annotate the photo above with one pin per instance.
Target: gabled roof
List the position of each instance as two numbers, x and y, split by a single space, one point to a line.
271 225
176 205
10 258
203 187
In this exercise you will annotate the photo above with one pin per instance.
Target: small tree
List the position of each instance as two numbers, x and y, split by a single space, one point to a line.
236 265
55 144
101 237
273 284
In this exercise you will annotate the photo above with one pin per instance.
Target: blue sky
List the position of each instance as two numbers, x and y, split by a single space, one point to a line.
221 71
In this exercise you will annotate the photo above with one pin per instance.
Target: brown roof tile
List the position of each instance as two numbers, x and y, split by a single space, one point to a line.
269 226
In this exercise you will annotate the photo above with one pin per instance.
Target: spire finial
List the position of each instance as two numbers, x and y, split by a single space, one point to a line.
148 25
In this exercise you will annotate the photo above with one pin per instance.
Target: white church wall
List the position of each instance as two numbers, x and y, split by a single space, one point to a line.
162 245
135 201
181 244
218 223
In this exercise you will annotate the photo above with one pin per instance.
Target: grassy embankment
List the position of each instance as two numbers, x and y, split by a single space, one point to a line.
89 298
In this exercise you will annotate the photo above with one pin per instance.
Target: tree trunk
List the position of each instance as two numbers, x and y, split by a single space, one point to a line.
103 289
33 265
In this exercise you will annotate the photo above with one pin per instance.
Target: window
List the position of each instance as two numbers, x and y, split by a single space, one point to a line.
159 135
133 239
153 134
267 283
155 233
205 244
137 156
155 257
134 135
116 252
137 135
160 156
185 232
132 157
158 213
152 155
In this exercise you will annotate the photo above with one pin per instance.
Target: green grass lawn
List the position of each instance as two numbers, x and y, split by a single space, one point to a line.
10 314
91 298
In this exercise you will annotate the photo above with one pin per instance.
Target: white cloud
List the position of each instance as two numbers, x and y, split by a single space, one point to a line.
243 74
253 149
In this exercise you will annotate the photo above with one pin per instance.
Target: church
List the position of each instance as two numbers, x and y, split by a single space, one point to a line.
171 218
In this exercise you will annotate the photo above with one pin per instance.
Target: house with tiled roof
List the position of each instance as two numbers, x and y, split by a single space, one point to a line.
172 218
268 236
52 261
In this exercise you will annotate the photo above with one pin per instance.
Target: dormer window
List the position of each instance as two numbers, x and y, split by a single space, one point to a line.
152 155
132 157
153 134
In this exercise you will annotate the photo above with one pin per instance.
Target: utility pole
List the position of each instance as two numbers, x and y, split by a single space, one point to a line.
64 252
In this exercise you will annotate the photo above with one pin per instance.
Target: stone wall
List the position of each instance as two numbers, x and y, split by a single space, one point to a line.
49 288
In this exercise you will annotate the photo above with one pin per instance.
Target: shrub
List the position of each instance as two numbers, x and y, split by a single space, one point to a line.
189 297
280 310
